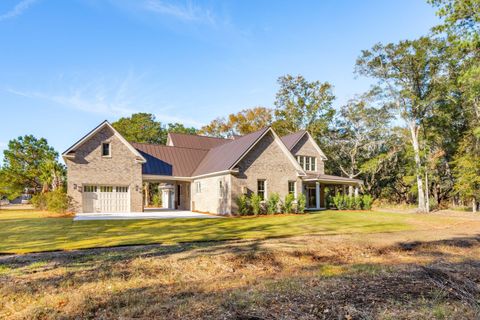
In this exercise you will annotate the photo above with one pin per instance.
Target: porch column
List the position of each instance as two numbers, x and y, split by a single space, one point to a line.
317 194
356 191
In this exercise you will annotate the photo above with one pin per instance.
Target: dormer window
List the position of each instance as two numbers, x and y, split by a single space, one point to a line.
106 149
307 163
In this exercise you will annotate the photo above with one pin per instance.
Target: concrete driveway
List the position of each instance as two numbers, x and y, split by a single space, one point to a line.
148 214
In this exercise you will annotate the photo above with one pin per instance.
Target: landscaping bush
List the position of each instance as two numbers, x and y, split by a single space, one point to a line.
339 202
39 201
357 203
157 200
256 203
54 201
301 203
288 203
367 201
243 205
272 203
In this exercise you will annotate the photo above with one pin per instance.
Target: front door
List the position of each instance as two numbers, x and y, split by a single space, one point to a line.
311 197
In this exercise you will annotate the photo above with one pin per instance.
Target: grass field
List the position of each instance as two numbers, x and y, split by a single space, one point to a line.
327 265
33 231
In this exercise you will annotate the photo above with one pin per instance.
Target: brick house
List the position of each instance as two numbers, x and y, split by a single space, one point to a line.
106 173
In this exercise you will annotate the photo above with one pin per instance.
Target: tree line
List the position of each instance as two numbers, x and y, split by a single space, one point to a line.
413 137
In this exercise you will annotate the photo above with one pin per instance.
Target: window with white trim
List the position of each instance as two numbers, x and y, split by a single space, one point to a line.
198 187
89 188
307 163
291 187
261 188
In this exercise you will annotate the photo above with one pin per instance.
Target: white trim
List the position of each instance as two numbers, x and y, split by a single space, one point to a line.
315 145
333 181
154 177
94 131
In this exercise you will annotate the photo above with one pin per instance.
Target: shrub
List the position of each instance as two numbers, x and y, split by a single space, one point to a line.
288 204
349 202
256 203
357 203
301 203
157 200
243 206
367 201
272 203
55 201
39 201
58 201
339 202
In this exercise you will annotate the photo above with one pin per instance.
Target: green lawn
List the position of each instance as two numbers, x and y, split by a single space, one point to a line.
31 231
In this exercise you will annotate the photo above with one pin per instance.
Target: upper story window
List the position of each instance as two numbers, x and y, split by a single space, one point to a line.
106 149
307 163
261 188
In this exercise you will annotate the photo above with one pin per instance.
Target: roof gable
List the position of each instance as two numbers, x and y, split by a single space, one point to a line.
88 136
227 156
293 139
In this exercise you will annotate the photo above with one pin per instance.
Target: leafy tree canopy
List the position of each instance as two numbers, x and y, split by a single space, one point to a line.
141 127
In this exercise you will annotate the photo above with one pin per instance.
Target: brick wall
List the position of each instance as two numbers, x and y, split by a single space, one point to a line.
90 168
305 147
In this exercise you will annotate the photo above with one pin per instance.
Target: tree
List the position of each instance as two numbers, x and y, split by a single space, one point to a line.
303 105
409 71
29 163
360 135
141 127
240 123
180 128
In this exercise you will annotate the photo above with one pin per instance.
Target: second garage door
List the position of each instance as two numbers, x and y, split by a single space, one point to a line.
106 198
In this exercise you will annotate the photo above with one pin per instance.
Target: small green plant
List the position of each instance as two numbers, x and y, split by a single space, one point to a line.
256 203
367 201
339 201
288 203
349 202
157 200
301 203
243 205
58 201
272 203
357 203
39 201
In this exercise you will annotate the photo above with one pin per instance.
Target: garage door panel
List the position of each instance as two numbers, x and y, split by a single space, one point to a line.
106 199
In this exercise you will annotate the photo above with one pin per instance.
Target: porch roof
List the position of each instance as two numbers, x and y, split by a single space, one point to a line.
331 179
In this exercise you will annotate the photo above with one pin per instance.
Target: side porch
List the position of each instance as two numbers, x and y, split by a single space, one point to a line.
317 188
166 192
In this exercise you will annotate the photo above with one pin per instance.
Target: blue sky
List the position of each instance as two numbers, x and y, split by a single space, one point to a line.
65 66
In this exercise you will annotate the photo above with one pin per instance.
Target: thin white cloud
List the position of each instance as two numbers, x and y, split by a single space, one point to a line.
20 8
188 12
113 101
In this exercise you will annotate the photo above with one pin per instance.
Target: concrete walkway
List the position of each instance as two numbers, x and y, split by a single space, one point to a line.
148 214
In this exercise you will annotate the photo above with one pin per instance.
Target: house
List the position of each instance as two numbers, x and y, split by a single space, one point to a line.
106 173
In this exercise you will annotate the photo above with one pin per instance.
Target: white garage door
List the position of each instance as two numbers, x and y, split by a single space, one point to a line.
106 199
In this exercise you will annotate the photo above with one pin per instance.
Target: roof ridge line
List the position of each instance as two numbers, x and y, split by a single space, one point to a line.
164 145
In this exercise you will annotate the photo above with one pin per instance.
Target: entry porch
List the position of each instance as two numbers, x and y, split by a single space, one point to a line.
166 192
317 188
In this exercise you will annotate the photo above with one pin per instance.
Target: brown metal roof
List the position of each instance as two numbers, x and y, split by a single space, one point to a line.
328 178
292 139
169 161
226 155
195 141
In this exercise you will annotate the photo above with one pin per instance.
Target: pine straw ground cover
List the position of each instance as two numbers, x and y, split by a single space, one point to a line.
400 275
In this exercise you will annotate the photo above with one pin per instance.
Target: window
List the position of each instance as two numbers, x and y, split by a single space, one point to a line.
105 149
198 187
307 163
261 189
89 188
106 189
291 187
121 189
